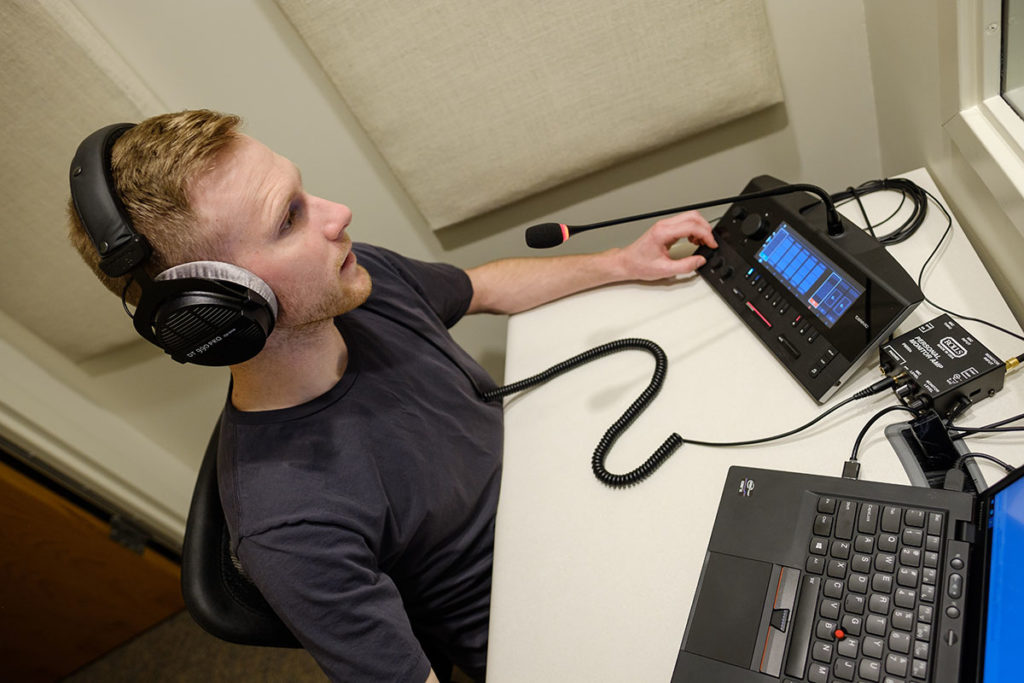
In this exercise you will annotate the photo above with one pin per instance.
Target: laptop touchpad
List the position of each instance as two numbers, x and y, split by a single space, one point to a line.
727 615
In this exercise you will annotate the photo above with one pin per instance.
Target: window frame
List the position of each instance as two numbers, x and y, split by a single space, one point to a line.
985 128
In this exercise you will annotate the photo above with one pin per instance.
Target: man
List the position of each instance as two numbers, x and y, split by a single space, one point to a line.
358 467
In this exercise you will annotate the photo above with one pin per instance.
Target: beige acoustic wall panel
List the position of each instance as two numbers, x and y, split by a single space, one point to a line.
60 81
477 104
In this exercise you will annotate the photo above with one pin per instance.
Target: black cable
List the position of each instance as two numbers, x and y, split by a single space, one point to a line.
652 463
124 296
674 440
995 426
863 211
875 418
919 201
907 188
961 461
920 275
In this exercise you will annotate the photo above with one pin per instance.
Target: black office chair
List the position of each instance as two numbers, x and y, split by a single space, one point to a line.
218 595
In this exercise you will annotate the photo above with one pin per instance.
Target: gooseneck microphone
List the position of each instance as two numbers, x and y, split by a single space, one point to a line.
546 235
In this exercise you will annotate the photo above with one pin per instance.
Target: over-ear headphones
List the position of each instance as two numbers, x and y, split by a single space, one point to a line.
204 312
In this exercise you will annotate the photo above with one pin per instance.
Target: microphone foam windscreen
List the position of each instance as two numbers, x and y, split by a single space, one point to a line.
545 235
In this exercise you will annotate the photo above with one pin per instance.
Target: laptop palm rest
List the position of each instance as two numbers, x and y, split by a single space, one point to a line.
745 613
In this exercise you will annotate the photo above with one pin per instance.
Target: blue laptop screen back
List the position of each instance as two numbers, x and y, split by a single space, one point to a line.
1006 585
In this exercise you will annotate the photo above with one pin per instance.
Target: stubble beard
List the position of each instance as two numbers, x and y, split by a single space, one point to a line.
339 302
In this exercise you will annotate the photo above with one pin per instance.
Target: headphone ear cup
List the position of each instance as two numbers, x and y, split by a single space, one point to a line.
207 313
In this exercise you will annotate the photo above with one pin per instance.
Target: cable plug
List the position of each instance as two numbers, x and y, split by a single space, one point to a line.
955 480
851 469
876 388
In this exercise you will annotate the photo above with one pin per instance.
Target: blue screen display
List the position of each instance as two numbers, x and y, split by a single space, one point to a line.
1005 585
825 289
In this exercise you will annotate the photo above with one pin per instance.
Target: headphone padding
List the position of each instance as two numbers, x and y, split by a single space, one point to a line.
227 272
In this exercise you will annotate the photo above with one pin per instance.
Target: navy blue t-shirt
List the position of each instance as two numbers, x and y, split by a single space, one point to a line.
366 516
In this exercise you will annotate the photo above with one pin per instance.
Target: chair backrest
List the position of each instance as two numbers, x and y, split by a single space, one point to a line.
222 600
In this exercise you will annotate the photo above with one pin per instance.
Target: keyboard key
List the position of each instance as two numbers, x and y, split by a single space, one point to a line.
876 625
823 525
826 504
907 577
899 642
902 619
852 625
881 583
861 563
857 583
833 588
836 569
815 565
885 562
927 593
920 669
841 550
867 522
822 652
844 669
890 520
848 647
825 630
905 598
934 523
925 613
910 557
818 545
870 670
888 543
913 537
817 673
920 649
924 631
914 518
855 604
896 665
864 544
879 603
829 609
873 647
845 519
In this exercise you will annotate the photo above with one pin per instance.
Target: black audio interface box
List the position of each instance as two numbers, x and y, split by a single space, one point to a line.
945 367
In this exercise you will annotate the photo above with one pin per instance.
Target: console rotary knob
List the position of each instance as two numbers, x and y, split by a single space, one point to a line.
753 226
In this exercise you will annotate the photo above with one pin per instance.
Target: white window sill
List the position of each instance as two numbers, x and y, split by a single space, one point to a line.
987 135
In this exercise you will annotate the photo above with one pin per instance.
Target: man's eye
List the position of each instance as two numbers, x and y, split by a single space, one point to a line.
289 220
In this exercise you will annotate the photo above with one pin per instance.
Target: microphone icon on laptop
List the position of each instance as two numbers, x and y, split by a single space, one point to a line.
746 487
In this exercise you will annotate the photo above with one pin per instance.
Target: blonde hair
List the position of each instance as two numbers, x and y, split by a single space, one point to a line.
153 166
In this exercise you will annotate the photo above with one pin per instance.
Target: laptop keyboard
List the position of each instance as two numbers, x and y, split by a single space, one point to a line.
876 567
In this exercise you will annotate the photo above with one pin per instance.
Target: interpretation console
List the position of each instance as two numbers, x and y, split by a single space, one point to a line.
818 301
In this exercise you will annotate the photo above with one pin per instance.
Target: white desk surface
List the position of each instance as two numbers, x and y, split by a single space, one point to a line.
595 584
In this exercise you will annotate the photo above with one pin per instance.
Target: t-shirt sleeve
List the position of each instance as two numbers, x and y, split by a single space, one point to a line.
346 613
446 289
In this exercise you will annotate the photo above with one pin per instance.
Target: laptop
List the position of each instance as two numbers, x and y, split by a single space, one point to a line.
822 579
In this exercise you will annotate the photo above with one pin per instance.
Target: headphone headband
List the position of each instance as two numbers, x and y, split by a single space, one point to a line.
106 222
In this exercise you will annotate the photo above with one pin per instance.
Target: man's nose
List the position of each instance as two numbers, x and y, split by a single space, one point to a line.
338 217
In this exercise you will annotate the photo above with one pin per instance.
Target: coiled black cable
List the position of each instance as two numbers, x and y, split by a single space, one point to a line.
909 189
673 442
